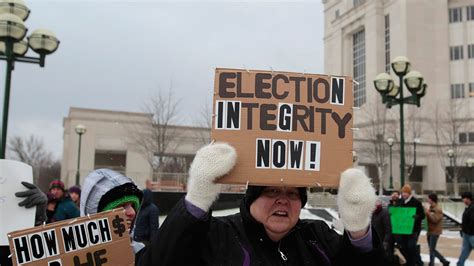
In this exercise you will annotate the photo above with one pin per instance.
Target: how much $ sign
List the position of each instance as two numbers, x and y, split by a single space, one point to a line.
81 241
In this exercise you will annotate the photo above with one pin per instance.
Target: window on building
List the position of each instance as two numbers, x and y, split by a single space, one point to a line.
457 91
456 53
471 89
470 13
387 43
455 15
337 14
115 160
470 51
358 53
471 137
462 137
465 137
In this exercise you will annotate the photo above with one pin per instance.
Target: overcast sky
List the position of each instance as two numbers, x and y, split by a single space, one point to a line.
115 54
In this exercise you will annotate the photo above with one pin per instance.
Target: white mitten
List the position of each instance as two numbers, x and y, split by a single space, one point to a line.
355 199
211 162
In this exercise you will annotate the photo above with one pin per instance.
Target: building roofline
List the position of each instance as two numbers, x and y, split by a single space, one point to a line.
82 109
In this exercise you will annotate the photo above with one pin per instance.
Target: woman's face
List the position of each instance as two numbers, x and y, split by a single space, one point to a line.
278 209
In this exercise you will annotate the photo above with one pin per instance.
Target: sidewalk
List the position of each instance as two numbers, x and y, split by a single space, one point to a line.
449 244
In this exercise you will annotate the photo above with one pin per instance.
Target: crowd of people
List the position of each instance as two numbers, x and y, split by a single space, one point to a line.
267 229
403 249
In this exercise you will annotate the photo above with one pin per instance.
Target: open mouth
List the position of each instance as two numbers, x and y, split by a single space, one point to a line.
281 213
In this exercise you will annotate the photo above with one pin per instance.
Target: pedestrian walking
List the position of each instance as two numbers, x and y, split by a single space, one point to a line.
467 228
409 243
434 218
148 219
267 230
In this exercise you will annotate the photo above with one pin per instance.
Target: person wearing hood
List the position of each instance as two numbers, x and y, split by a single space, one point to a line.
105 190
267 230
147 223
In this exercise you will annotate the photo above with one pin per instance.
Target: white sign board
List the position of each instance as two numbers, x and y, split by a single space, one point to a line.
12 216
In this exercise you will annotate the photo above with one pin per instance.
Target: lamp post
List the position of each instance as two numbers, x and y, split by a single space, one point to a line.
13 48
80 130
450 153
415 141
470 165
390 145
385 86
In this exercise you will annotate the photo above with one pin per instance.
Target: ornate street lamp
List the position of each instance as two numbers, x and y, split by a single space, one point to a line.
80 130
390 145
470 165
13 48
385 86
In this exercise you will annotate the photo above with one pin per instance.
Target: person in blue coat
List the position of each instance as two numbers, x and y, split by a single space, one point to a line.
65 207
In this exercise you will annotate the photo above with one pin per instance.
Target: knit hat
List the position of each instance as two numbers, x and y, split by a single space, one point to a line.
406 188
56 184
253 192
75 189
127 192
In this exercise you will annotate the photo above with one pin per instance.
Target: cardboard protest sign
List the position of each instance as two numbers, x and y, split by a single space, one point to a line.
98 239
288 128
12 216
402 219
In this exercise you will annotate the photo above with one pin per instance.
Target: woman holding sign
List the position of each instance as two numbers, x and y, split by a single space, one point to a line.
267 231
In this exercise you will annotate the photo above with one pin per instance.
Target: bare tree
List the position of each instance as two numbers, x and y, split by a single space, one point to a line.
157 139
31 150
204 121
374 128
413 132
447 125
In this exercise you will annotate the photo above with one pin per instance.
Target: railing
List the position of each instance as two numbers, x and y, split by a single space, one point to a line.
322 200
176 182
463 187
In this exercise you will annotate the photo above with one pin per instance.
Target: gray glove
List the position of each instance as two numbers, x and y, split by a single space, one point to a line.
34 197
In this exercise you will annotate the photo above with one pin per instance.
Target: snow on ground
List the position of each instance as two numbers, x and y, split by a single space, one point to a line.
426 258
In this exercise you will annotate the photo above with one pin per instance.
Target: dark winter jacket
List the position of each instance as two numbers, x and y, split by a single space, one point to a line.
65 209
239 240
419 215
381 224
147 222
468 220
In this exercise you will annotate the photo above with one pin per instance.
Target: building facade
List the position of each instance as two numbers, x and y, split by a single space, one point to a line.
113 139
361 38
